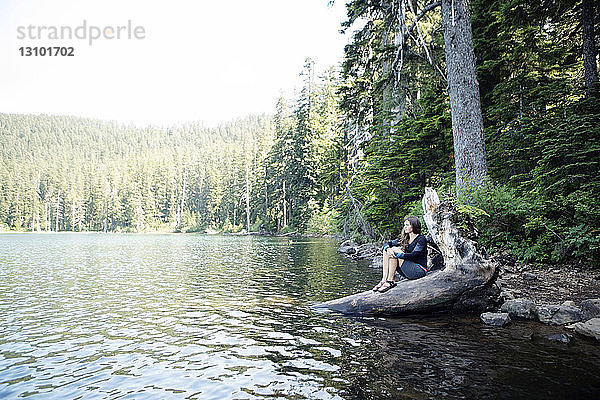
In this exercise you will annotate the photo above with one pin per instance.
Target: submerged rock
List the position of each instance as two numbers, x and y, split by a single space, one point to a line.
519 308
495 319
558 314
589 328
590 308
559 338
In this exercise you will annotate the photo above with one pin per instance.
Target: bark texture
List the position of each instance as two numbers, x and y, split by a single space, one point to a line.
463 89
463 285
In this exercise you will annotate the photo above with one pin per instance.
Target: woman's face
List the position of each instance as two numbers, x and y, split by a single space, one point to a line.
407 227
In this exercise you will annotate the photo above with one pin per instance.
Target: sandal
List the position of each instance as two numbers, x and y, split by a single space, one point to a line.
390 284
380 284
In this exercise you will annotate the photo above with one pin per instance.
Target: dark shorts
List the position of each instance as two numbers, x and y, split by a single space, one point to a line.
411 270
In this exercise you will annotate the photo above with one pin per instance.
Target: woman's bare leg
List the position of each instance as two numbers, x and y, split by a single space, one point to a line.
393 263
390 263
387 255
386 263
384 269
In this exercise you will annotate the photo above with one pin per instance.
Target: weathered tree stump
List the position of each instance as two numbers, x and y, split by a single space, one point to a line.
465 283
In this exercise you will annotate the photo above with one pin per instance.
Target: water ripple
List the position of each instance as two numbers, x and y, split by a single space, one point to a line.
176 316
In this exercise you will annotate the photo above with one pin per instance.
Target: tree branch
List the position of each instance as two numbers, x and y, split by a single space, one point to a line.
421 14
409 31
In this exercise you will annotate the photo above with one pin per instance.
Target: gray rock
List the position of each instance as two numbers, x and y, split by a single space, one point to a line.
368 250
590 309
559 338
569 303
347 249
519 308
589 328
377 262
495 319
558 314
506 295
528 276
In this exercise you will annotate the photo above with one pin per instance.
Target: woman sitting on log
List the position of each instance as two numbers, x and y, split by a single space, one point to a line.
409 256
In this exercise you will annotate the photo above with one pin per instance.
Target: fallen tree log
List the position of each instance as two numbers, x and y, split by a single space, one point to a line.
465 283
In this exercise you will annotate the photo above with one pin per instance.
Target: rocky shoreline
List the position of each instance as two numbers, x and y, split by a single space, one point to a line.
563 295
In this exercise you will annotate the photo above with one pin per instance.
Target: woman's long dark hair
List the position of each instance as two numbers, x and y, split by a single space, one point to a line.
416 225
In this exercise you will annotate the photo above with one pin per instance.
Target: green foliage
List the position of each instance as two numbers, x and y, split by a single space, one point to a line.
542 131
399 165
304 164
359 238
323 221
499 214
531 226
184 178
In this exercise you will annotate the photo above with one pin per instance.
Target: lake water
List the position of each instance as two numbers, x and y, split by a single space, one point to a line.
125 316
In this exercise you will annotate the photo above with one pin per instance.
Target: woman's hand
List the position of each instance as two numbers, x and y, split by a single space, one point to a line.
390 243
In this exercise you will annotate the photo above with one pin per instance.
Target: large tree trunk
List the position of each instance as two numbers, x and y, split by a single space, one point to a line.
465 284
463 89
589 45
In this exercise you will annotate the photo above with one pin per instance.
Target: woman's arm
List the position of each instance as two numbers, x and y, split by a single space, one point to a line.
390 243
418 251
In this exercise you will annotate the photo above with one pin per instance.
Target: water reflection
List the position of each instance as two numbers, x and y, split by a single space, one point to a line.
193 316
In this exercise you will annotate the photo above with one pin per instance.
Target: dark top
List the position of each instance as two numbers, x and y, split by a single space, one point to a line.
416 251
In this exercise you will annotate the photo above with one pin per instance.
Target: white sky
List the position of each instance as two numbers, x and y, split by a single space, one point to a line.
203 60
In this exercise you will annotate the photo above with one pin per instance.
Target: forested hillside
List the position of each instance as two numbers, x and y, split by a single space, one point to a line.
355 148
65 173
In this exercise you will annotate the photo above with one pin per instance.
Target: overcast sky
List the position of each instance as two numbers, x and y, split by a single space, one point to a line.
199 60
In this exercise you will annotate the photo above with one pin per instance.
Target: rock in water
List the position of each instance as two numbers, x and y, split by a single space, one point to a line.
559 338
347 249
519 308
506 295
589 328
590 309
495 319
377 263
558 314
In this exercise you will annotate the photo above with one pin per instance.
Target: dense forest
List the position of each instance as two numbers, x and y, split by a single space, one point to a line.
65 173
354 149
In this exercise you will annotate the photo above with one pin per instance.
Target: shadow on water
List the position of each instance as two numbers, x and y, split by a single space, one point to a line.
457 357
214 317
